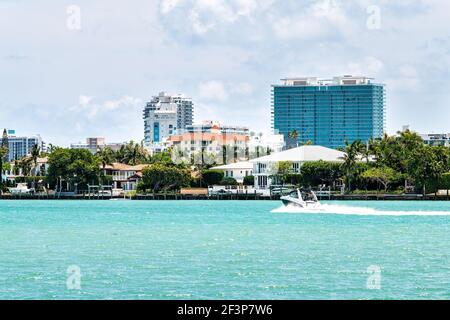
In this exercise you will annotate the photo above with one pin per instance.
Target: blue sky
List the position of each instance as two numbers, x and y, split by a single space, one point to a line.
67 83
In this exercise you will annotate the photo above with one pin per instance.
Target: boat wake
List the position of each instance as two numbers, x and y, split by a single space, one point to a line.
348 210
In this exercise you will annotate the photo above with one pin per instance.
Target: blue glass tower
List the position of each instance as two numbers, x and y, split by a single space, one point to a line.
329 112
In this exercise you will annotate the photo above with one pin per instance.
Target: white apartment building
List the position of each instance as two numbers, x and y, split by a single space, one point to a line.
437 139
164 115
20 146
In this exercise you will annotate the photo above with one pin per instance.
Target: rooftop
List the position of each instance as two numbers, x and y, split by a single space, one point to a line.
338 80
235 166
303 154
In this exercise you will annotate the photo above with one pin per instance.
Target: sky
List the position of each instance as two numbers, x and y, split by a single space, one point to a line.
81 68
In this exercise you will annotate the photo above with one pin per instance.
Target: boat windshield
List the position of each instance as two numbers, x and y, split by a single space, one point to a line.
294 194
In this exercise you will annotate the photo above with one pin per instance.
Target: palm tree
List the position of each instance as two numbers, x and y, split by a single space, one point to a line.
16 168
25 165
350 158
293 134
105 156
35 152
133 153
293 138
3 153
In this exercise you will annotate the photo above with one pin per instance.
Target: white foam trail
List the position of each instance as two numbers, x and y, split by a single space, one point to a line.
348 210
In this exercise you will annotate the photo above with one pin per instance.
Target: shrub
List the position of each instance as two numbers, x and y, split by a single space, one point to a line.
228 181
445 181
249 181
212 177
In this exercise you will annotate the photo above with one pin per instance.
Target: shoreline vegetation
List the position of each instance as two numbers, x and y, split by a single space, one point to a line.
400 167
228 197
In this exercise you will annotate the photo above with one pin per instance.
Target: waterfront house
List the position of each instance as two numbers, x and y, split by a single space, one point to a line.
39 170
124 176
238 170
265 167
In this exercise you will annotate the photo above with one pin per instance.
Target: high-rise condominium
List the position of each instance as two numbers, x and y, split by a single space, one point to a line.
164 115
20 146
328 112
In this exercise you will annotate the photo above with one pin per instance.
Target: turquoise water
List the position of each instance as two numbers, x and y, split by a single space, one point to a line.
223 250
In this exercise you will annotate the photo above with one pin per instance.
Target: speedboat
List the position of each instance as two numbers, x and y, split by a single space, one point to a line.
302 199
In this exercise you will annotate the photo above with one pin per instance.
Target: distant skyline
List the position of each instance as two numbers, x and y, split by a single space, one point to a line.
67 76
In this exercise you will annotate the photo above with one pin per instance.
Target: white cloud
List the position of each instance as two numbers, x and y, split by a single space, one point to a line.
244 45
212 90
406 78
246 7
207 15
243 88
369 66
84 100
323 18
89 109
168 5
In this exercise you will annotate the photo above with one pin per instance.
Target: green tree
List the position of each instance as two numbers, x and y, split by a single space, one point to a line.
281 172
25 164
164 157
3 153
35 153
445 181
426 165
382 175
73 166
292 139
132 154
315 173
352 152
212 177
161 177
106 157
16 168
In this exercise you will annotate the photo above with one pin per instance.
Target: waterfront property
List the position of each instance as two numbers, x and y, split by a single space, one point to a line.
226 144
125 177
20 146
266 167
329 112
164 115
238 170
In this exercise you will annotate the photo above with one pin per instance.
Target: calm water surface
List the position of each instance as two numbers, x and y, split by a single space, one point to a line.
223 250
